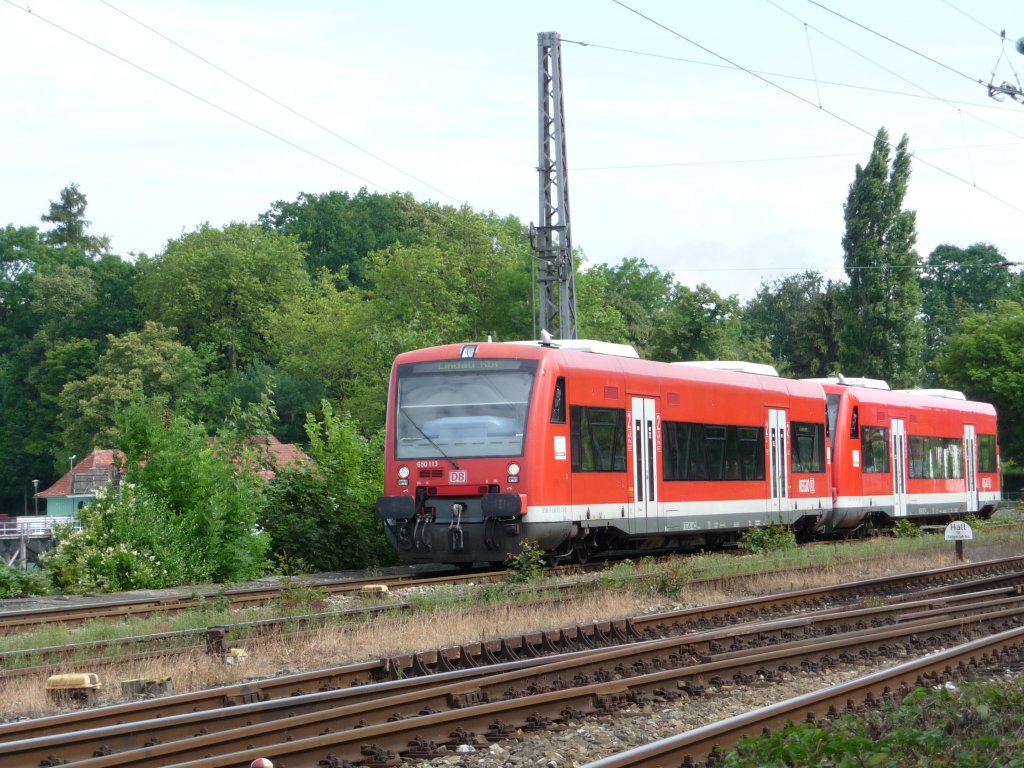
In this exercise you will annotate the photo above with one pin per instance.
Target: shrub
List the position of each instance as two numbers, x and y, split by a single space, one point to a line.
769 538
18 583
905 529
526 565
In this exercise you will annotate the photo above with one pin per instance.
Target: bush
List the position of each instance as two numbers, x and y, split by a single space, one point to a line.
526 565
18 583
905 529
322 515
770 538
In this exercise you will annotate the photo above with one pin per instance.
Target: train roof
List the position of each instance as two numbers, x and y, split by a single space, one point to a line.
911 399
600 357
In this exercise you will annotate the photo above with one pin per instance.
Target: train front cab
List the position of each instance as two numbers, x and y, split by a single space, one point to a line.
925 455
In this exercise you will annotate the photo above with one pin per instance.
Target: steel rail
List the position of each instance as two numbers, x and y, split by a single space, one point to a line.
695 748
532 644
306 717
314 739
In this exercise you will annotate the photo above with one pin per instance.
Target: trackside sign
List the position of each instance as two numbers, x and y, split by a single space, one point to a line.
958 530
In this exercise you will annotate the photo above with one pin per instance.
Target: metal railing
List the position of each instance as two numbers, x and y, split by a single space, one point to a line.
35 526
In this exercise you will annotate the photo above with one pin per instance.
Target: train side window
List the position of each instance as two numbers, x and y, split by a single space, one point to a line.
936 458
598 439
558 402
987 453
854 423
808 447
711 452
874 449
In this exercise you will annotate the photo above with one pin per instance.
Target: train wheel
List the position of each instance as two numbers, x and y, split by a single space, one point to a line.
581 553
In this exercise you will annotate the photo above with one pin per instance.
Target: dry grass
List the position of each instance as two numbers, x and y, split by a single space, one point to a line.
396 634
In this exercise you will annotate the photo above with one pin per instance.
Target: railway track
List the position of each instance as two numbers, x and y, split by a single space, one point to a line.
412 717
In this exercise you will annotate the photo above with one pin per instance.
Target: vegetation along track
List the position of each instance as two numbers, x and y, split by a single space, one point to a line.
673 656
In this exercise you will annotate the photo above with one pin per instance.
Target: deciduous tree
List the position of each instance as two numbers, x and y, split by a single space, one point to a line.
881 335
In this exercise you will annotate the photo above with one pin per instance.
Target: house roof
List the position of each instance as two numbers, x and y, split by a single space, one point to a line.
104 460
278 454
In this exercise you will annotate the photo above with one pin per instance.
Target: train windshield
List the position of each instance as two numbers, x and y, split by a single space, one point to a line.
462 408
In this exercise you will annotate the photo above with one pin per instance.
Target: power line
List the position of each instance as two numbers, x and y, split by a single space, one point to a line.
766 73
196 96
979 23
889 71
828 112
896 42
781 158
279 103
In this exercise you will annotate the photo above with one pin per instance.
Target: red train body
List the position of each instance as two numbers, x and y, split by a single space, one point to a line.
920 454
490 444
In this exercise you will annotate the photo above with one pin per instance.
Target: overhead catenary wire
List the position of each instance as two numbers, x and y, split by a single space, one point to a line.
199 98
279 103
826 111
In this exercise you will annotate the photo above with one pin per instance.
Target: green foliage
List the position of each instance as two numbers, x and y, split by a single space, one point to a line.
129 540
322 514
985 359
150 363
905 529
525 565
955 283
881 334
797 317
17 583
695 325
616 575
769 538
186 512
969 725
219 286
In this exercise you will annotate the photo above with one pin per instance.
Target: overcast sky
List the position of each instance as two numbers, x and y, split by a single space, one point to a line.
716 140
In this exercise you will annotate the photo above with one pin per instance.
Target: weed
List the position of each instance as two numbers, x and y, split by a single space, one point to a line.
527 565
769 538
904 529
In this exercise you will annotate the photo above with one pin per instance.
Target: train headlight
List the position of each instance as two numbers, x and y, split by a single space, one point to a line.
403 475
513 473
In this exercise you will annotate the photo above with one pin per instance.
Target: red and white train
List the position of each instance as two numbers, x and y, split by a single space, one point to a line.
584 448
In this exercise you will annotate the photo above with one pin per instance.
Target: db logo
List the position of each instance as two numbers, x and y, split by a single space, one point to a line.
457 477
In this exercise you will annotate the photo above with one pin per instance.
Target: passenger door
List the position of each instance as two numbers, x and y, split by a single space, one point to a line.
899 468
645 462
778 467
971 467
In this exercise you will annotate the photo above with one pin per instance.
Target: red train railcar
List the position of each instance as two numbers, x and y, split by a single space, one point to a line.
489 444
927 455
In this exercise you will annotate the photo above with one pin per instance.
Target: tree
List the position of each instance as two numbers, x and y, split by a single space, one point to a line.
320 516
69 224
956 282
985 359
638 291
881 335
219 286
150 363
695 326
796 315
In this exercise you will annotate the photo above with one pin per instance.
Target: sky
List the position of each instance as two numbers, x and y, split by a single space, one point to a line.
714 140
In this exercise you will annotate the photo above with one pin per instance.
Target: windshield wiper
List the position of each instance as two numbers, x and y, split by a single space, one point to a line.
427 437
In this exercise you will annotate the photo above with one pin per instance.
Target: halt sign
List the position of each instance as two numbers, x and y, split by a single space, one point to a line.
958 530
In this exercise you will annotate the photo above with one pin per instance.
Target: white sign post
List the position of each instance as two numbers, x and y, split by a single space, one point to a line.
959 531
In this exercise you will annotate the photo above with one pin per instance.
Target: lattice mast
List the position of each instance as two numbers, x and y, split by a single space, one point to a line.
552 240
